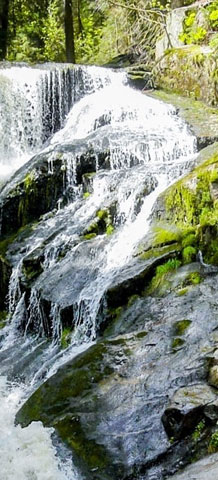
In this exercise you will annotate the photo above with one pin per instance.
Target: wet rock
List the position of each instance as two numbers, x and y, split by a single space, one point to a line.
5 273
190 204
194 113
186 409
108 403
205 469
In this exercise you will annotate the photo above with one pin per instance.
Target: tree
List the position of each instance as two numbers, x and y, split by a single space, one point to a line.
69 32
4 9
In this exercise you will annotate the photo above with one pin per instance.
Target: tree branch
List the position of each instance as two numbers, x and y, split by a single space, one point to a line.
135 9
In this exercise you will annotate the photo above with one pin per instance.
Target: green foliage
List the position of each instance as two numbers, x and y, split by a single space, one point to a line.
26 30
197 34
87 41
213 444
214 43
102 214
189 240
53 34
89 236
198 430
181 292
192 33
213 14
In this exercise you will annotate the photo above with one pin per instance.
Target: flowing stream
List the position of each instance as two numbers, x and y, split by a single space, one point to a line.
148 147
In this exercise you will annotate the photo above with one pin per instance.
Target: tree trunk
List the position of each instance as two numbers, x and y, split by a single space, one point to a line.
69 32
80 25
4 7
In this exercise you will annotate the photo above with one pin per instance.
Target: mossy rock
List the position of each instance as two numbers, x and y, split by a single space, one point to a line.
194 113
3 318
71 402
180 327
189 70
191 205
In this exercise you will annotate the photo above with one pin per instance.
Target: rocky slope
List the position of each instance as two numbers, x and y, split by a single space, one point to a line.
140 403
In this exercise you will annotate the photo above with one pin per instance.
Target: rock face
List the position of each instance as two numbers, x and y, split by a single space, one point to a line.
191 204
194 113
142 401
206 469
190 71
38 186
130 405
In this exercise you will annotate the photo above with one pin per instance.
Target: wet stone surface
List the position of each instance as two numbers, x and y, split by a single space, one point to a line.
132 397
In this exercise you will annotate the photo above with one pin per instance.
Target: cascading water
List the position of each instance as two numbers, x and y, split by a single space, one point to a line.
34 103
146 146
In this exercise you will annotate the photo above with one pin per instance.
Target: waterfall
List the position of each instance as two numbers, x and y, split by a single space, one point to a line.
146 147
34 103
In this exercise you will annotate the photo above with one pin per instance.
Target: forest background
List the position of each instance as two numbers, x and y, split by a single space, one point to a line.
81 31
96 31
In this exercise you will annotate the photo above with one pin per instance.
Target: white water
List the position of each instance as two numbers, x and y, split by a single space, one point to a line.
148 144
33 105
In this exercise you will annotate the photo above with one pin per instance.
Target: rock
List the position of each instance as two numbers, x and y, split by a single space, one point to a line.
213 376
107 403
194 112
205 469
5 273
120 61
37 187
190 205
189 71
187 408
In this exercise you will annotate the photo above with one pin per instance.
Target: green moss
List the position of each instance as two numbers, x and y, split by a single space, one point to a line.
161 273
189 254
181 326
192 202
109 230
141 335
182 291
86 195
166 235
132 300
177 343
32 270
188 240
66 337
3 318
87 450
4 244
20 234
89 236
198 430
113 316
29 181
157 252
102 214
194 278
